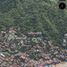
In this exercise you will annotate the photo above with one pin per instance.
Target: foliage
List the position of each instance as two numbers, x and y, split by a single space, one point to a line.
34 15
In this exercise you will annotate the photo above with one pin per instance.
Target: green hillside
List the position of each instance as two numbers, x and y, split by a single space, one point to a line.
34 15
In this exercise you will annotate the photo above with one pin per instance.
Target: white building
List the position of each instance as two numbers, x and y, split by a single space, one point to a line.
65 40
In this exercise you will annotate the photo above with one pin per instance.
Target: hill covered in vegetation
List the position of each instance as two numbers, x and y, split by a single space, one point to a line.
34 15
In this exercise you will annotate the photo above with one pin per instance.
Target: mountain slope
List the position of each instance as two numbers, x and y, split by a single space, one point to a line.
34 15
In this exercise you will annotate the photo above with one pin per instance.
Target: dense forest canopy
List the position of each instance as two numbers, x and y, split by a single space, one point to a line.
34 15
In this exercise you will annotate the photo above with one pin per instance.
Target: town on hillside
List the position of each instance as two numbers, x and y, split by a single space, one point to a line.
30 50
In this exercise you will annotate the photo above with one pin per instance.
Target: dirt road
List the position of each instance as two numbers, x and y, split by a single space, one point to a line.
60 65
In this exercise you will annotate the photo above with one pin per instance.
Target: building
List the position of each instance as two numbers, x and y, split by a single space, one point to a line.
65 40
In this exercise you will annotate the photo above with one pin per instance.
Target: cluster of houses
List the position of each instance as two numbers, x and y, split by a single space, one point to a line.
29 50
